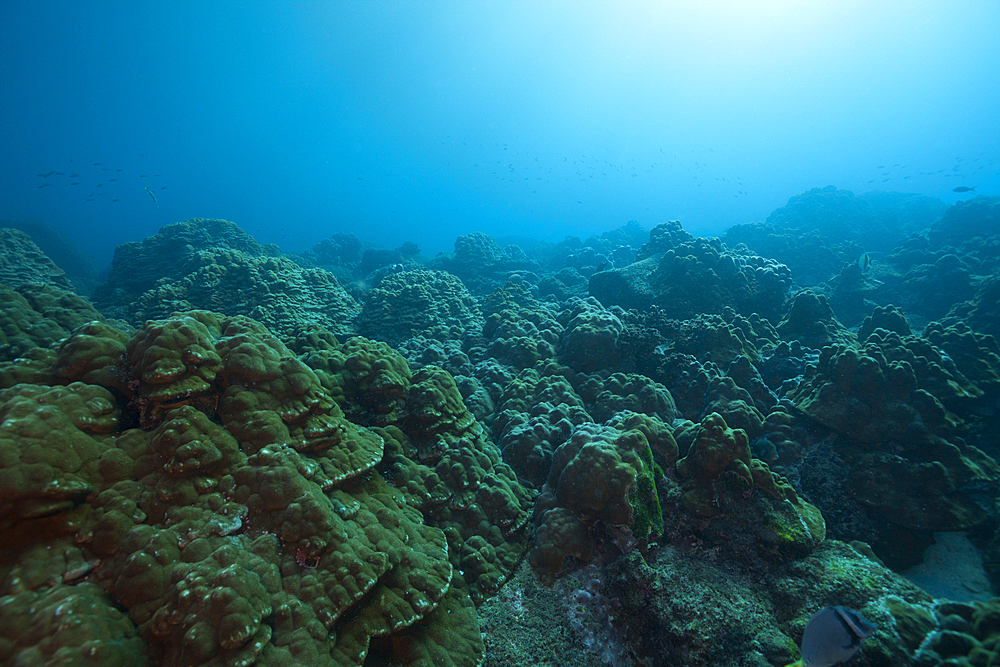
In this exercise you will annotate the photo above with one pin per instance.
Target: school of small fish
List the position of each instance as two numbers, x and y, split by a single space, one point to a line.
517 165
104 180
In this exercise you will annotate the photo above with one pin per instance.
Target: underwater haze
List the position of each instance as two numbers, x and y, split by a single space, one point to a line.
423 121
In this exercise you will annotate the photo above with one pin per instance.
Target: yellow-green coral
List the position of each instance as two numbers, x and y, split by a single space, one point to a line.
269 537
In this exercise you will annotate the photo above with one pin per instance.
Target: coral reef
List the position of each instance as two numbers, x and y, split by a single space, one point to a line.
22 262
666 453
214 265
247 521
36 315
601 478
419 302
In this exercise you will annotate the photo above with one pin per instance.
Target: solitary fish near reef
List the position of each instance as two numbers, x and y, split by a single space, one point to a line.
962 188
865 261
153 196
833 635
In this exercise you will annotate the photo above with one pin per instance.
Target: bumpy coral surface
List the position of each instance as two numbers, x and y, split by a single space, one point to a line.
419 302
21 262
601 476
481 262
810 320
246 521
37 315
907 465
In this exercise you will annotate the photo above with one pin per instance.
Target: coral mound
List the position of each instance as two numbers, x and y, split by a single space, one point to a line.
210 504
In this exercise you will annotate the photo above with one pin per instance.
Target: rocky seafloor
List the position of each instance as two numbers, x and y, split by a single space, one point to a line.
640 448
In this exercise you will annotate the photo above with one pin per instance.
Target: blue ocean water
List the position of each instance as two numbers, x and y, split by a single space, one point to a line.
422 121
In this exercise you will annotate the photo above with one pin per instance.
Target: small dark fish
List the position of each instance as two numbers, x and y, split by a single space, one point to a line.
99 185
97 164
76 183
73 175
114 200
962 188
58 173
765 450
88 200
44 185
143 175
112 180
164 187
117 169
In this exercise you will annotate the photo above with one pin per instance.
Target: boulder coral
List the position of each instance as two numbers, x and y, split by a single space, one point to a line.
215 265
809 319
210 504
908 465
22 262
37 315
419 302
589 338
602 478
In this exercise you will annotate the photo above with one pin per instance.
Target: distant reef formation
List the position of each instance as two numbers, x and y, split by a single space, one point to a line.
215 265
645 446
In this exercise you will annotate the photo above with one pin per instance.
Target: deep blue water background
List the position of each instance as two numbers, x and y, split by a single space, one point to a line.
426 120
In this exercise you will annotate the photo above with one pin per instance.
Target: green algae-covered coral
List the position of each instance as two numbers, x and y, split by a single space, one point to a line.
601 476
719 478
810 320
907 463
869 398
246 522
23 262
215 265
589 338
419 302
33 316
